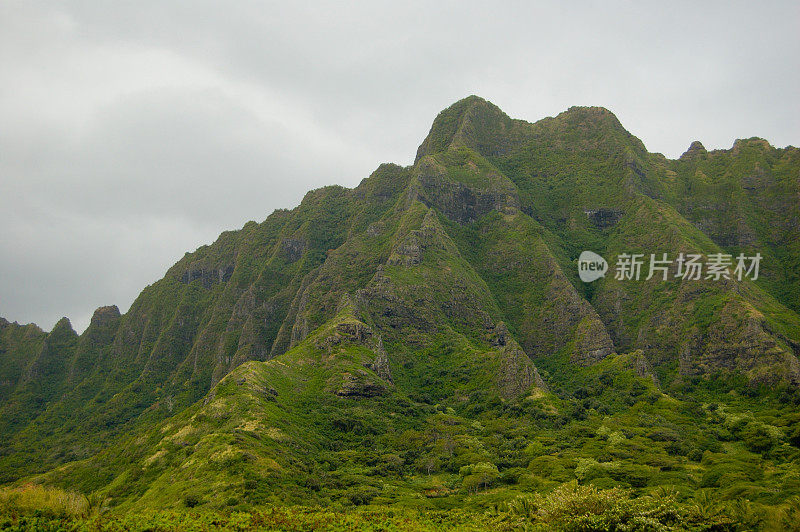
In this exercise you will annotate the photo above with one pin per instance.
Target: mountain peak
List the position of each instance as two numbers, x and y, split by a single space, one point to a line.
696 148
63 326
105 314
596 111
392 335
472 122
591 116
756 143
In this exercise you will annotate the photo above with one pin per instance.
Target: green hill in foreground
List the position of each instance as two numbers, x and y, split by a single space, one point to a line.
418 352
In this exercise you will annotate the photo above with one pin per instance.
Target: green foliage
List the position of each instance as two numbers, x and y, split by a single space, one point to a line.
417 353
573 507
269 519
43 501
480 475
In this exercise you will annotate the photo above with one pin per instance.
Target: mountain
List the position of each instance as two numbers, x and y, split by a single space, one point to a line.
425 335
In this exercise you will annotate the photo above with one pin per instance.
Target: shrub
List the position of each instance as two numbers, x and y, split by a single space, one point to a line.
794 436
635 475
589 469
549 467
33 499
512 475
663 434
757 438
695 455
191 500
574 507
477 475
361 495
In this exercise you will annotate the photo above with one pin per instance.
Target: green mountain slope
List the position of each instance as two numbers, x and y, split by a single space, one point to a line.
19 345
424 336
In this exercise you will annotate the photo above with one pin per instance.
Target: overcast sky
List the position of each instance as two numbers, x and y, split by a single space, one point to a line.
131 132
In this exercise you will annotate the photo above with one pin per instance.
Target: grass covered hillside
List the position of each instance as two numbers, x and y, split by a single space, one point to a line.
419 353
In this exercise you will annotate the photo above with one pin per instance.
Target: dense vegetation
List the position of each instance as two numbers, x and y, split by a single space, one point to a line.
418 353
569 507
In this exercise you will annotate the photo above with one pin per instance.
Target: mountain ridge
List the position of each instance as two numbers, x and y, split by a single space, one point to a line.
447 285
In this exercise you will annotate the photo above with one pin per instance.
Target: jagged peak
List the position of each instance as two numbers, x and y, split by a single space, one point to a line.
321 194
755 142
469 122
32 327
594 118
482 126
104 315
63 326
591 111
696 148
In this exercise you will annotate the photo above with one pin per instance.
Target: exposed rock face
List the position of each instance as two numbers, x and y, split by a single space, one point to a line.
572 316
103 316
293 248
592 342
461 203
604 218
740 342
464 202
354 332
356 382
381 363
500 335
517 374
642 366
360 385
208 278
294 326
408 253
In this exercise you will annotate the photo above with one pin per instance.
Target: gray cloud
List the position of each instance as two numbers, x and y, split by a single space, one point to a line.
133 131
